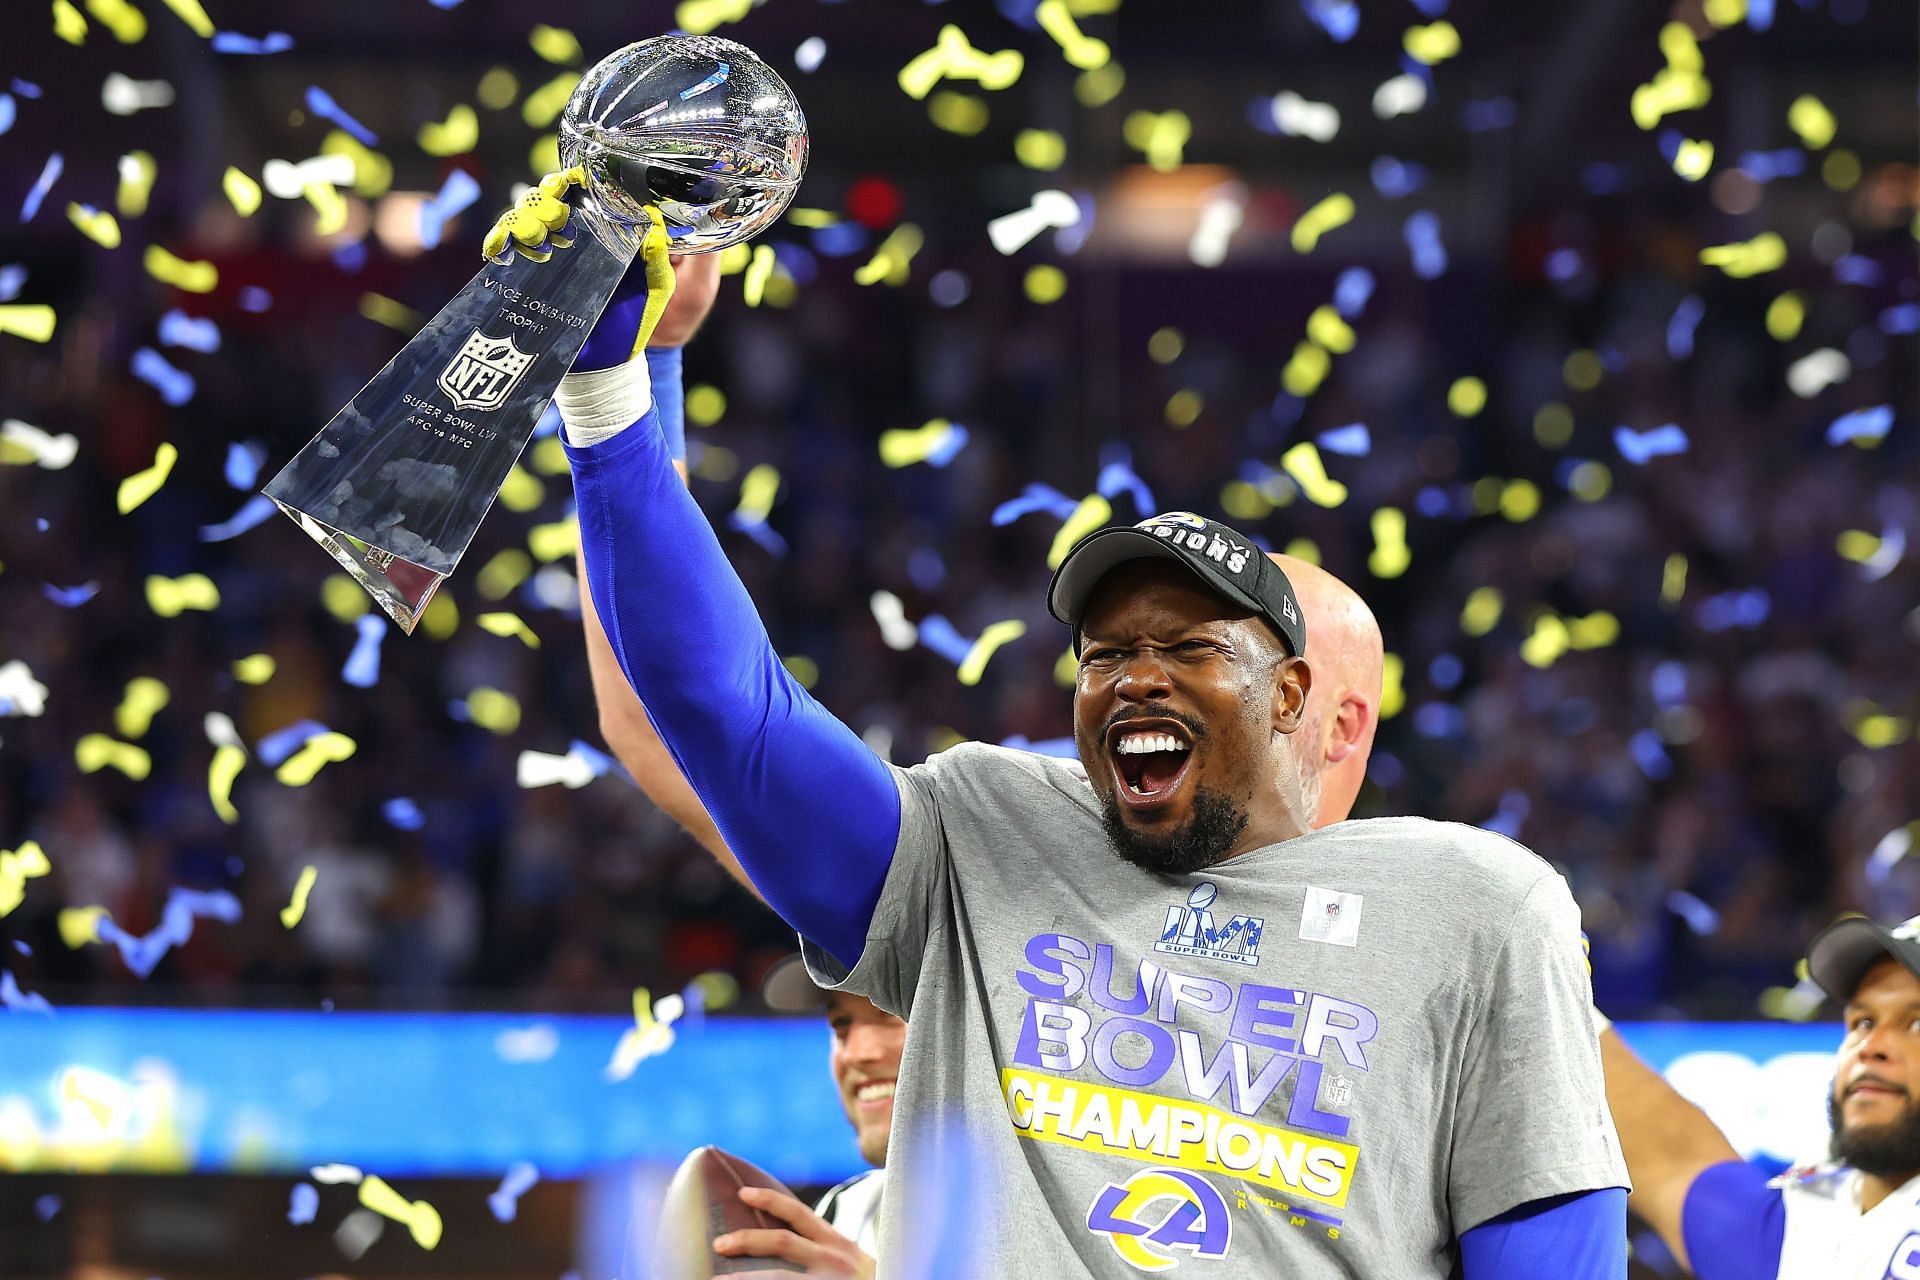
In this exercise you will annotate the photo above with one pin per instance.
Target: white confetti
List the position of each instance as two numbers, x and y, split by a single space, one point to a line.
49 451
896 631
1400 96
1220 216
123 95
1299 117
1050 209
1814 372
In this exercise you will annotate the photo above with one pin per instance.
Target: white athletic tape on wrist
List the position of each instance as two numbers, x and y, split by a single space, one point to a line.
600 404
1600 1022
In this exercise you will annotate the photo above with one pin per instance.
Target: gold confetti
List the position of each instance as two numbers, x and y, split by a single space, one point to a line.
499 576
452 136
904 446
191 277
1692 160
67 22
812 219
145 698
1066 670
141 485
1857 545
255 668
1520 500
803 669
1724 13
421 1219
954 58
1785 315
1553 425
1873 727
1391 555
17 866
291 913
1393 689
329 207
343 598
734 259
1183 408
228 760
1840 170
1334 211
1595 631
397 316
1303 463
190 12
315 754
508 625
550 456
1160 136
1045 283
1810 118
1765 252
1582 370
757 493
1466 397
497 89
1327 328
974 665
97 751
442 617
242 192
544 155
1041 149
494 710
80 925
170 597
1547 642
1080 50
1096 88
96 225
128 24
543 105
753 281
958 113
1590 481
1673 579
30 320
1679 86
550 542
1166 344
697 17
556 44
1092 512
1303 549
137 172
1433 43
1481 613
521 492
891 261
372 172
1306 370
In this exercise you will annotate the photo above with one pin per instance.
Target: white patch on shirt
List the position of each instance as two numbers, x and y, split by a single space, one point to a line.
1330 916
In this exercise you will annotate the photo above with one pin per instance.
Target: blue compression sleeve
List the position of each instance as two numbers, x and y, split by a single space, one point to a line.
669 398
1582 1236
1734 1224
811 813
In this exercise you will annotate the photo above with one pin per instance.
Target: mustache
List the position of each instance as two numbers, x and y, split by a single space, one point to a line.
1194 728
1872 1079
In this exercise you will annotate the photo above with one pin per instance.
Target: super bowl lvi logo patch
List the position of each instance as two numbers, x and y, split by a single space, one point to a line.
1330 916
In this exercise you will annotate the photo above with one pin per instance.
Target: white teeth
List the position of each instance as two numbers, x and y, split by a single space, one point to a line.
1134 744
874 1092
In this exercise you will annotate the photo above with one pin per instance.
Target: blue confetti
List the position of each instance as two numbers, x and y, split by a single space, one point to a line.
362 668
7 111
46 1207
70 597
321 103
549 423
1117 476
1069 239
143 954
1351 441
403 813
12 277
1861 424
519 1178
1603 179
1670 141
796 261
1765 166
761 532
1650 754
1513 810
351 257
926 569
195 333
840 239
1021 13
1432 8
445 4
1680 326
1760 14
1395 178
174 385
455 194
21 946
25 88
1338 18
12 997
1035 497
281 743
1562 265
243 463
1668 685
602 763
939 635
1423 242
1064 748
1855 269
949 447
1640 447
234 42
1700 917
252 298
304 1204
1439 720
1901 319
1488 114
1446 671
255 511
49 174
1286 409
1732 609
1351 291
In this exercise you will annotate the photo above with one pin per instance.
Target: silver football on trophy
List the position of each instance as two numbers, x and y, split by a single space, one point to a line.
697 125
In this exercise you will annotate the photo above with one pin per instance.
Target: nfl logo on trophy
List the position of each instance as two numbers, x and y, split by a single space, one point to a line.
483 372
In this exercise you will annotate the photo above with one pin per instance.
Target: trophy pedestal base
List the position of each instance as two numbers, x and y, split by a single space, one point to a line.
400 587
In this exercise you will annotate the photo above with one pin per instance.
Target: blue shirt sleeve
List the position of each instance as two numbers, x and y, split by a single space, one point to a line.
1733 1223
669 398
812 814
1582 1236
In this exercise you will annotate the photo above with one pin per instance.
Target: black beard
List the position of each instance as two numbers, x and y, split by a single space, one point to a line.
1202 840
1890 1150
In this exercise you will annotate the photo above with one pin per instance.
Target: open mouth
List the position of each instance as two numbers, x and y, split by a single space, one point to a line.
874 1095
1149 759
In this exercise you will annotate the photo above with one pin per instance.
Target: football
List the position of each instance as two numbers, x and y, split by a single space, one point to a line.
702 1202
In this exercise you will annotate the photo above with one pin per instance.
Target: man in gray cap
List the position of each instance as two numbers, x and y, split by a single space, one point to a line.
1854 1216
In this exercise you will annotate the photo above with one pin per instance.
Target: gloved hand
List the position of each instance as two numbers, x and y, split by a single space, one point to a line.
534 228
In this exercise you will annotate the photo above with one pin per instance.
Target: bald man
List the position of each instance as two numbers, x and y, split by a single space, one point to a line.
1330 749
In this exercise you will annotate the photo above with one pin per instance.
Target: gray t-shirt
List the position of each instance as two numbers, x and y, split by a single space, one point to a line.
1328 1056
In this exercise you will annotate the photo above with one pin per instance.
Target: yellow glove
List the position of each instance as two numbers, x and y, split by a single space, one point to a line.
532 228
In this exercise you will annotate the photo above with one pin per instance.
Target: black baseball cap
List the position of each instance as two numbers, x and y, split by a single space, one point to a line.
1228 562
1843 952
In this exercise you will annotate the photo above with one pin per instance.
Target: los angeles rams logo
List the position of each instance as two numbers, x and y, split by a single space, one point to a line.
1159 1213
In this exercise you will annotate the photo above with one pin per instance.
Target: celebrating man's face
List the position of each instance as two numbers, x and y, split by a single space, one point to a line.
1875 1102
866 1064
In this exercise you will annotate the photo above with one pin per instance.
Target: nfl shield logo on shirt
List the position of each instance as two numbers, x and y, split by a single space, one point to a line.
483 371
1330 916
